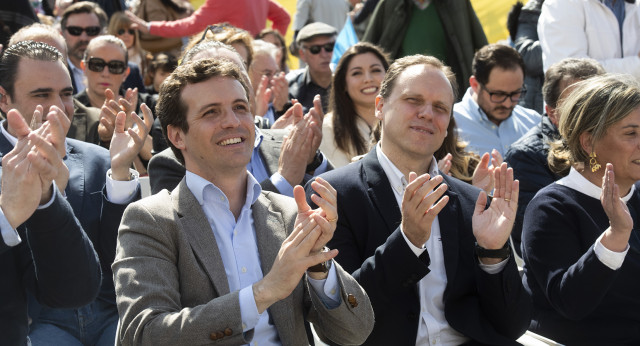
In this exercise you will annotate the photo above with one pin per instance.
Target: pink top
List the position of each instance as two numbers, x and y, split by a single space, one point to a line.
250 15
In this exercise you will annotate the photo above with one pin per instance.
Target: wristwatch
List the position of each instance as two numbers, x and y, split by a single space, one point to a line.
321 267
317 161
503 253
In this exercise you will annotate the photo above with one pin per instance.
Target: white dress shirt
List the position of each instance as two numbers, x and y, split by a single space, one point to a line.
433 328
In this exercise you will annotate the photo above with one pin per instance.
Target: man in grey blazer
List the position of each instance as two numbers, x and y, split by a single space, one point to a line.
217 259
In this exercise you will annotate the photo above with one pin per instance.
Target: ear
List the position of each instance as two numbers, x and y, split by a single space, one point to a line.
473 83
126 73
301 55
552 114
585 142
83 66
379 104
176 136
4 100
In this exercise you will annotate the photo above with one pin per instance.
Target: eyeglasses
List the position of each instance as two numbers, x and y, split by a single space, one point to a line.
501 96
115 66
90 30
122 31
216 29
328 47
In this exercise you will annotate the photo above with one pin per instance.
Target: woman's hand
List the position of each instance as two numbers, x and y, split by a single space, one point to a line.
616 237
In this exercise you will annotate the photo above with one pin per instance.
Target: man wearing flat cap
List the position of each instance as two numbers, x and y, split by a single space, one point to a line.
315 43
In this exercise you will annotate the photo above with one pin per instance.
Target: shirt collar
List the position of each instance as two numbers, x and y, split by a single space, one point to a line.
397 180
258 139
73 67
578 182
200 187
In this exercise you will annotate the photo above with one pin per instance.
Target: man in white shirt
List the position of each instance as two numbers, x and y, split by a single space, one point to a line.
212 256
435 263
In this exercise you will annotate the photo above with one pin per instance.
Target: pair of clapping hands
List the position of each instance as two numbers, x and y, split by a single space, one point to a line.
483 173
274 90
126 148
424 198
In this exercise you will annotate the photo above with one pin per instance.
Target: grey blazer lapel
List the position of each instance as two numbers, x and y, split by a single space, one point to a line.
194 224
270 233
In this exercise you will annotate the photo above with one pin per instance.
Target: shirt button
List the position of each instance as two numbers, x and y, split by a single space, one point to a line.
333 291
222 198
244 269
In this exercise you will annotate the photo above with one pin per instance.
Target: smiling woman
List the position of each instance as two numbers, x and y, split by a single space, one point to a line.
356 83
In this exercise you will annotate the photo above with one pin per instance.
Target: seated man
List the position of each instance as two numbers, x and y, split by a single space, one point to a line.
435 263
528 155
209 258
489 116
98 187
49 255
276 164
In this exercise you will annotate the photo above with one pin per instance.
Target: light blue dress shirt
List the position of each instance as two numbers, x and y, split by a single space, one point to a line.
257 168
238 248
483 135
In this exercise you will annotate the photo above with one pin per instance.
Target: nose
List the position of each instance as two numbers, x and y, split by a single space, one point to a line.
368 76
230 119
426 111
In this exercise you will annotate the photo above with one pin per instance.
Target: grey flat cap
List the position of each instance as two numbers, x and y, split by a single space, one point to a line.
312 30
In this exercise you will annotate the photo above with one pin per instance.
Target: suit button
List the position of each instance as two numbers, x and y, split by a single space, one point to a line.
220 335
213 336
352 300
228 332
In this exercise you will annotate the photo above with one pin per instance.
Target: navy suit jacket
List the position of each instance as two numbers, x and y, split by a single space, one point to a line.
55 263
489 309
86 193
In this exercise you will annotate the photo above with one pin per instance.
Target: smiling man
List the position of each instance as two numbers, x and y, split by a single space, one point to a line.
489 116
435 263
218 259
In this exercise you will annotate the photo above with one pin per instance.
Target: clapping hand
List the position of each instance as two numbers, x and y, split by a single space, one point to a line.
483 174
617 235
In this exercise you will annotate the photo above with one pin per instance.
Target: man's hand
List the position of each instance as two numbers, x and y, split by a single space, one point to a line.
325 216
263 96
293 259
314 120
137 22
289 118
28 173
492 227
419 207
294 154
616 237
280 89
127 143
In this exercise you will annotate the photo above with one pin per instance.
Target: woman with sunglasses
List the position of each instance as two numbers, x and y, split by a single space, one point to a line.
120 27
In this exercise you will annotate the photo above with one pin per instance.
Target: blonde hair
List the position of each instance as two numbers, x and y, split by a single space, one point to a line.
593 107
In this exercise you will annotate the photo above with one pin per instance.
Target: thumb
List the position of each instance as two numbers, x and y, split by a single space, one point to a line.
481 202
301 199
17 123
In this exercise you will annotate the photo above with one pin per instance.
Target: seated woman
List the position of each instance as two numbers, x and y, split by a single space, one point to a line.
105 67
581 252
356 83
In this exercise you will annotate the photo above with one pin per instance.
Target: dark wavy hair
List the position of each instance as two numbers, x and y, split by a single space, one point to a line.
345 129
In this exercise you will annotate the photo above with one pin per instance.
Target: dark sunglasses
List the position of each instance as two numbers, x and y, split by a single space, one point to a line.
328 47
115 66
122 31
90 30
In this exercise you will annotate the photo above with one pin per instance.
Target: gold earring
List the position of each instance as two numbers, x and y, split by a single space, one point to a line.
593 163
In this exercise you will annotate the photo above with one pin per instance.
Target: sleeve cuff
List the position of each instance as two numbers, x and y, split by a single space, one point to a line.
9 235
494 268
53 197
248 309
122 192
609 258
328 290
416 250
323 166
282 184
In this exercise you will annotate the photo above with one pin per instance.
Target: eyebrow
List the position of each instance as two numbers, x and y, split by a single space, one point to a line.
41 90
217 104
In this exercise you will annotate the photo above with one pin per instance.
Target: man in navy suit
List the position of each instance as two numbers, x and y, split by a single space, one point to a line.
435 262
43 249
98 186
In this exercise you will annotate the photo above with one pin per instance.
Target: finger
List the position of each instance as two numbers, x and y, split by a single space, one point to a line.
301 200
109 95
121 118
481 203
317 105
302 230
515 192
430 199
63 120
436 208
134 136
310 239
321 257
18 124
484 160
508 182
415 184
424 191
36 119
496 158
148 116
412 176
